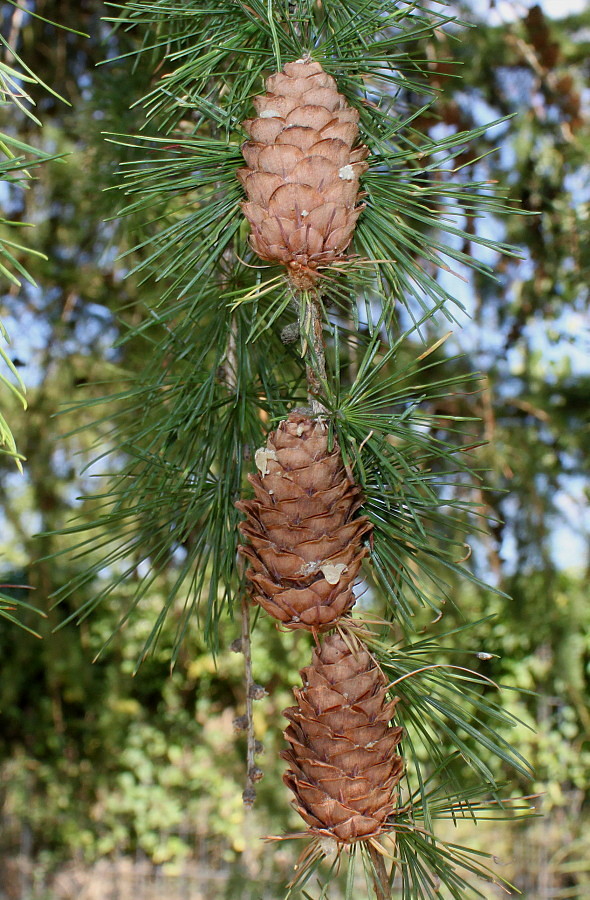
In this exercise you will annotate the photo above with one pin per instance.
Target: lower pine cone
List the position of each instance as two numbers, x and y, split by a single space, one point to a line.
343 764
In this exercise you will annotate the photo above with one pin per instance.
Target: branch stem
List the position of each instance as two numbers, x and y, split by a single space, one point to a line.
295 17
230 367
380 877
249 793
313 348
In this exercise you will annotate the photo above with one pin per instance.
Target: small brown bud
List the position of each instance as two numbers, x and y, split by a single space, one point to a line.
240 723
257 692
290 333
248 797
236 646
255 774
258 748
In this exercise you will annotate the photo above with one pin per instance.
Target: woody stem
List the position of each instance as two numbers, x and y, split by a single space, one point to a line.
250 791
230 369
313 347
380 878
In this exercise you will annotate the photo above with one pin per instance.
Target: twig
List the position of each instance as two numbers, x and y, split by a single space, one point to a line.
380 876
230 370
249 794
295 17
313 347
229 365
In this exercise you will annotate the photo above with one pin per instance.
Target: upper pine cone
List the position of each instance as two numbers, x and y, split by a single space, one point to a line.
305 546
344 770
302 175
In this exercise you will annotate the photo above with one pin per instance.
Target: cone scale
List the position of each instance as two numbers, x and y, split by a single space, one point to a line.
302 172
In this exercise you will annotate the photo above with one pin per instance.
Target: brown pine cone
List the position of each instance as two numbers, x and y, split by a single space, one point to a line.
302 175
343 767
305 546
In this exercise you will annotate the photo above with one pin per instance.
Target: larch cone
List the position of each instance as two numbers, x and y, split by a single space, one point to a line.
305 543
343 766
302 173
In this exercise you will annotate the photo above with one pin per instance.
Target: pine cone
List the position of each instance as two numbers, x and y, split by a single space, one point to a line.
302 175
305 546
343 766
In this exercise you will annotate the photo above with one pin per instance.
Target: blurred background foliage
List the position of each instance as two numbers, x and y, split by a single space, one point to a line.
103 757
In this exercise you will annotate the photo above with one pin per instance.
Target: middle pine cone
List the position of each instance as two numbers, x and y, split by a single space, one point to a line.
305 547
